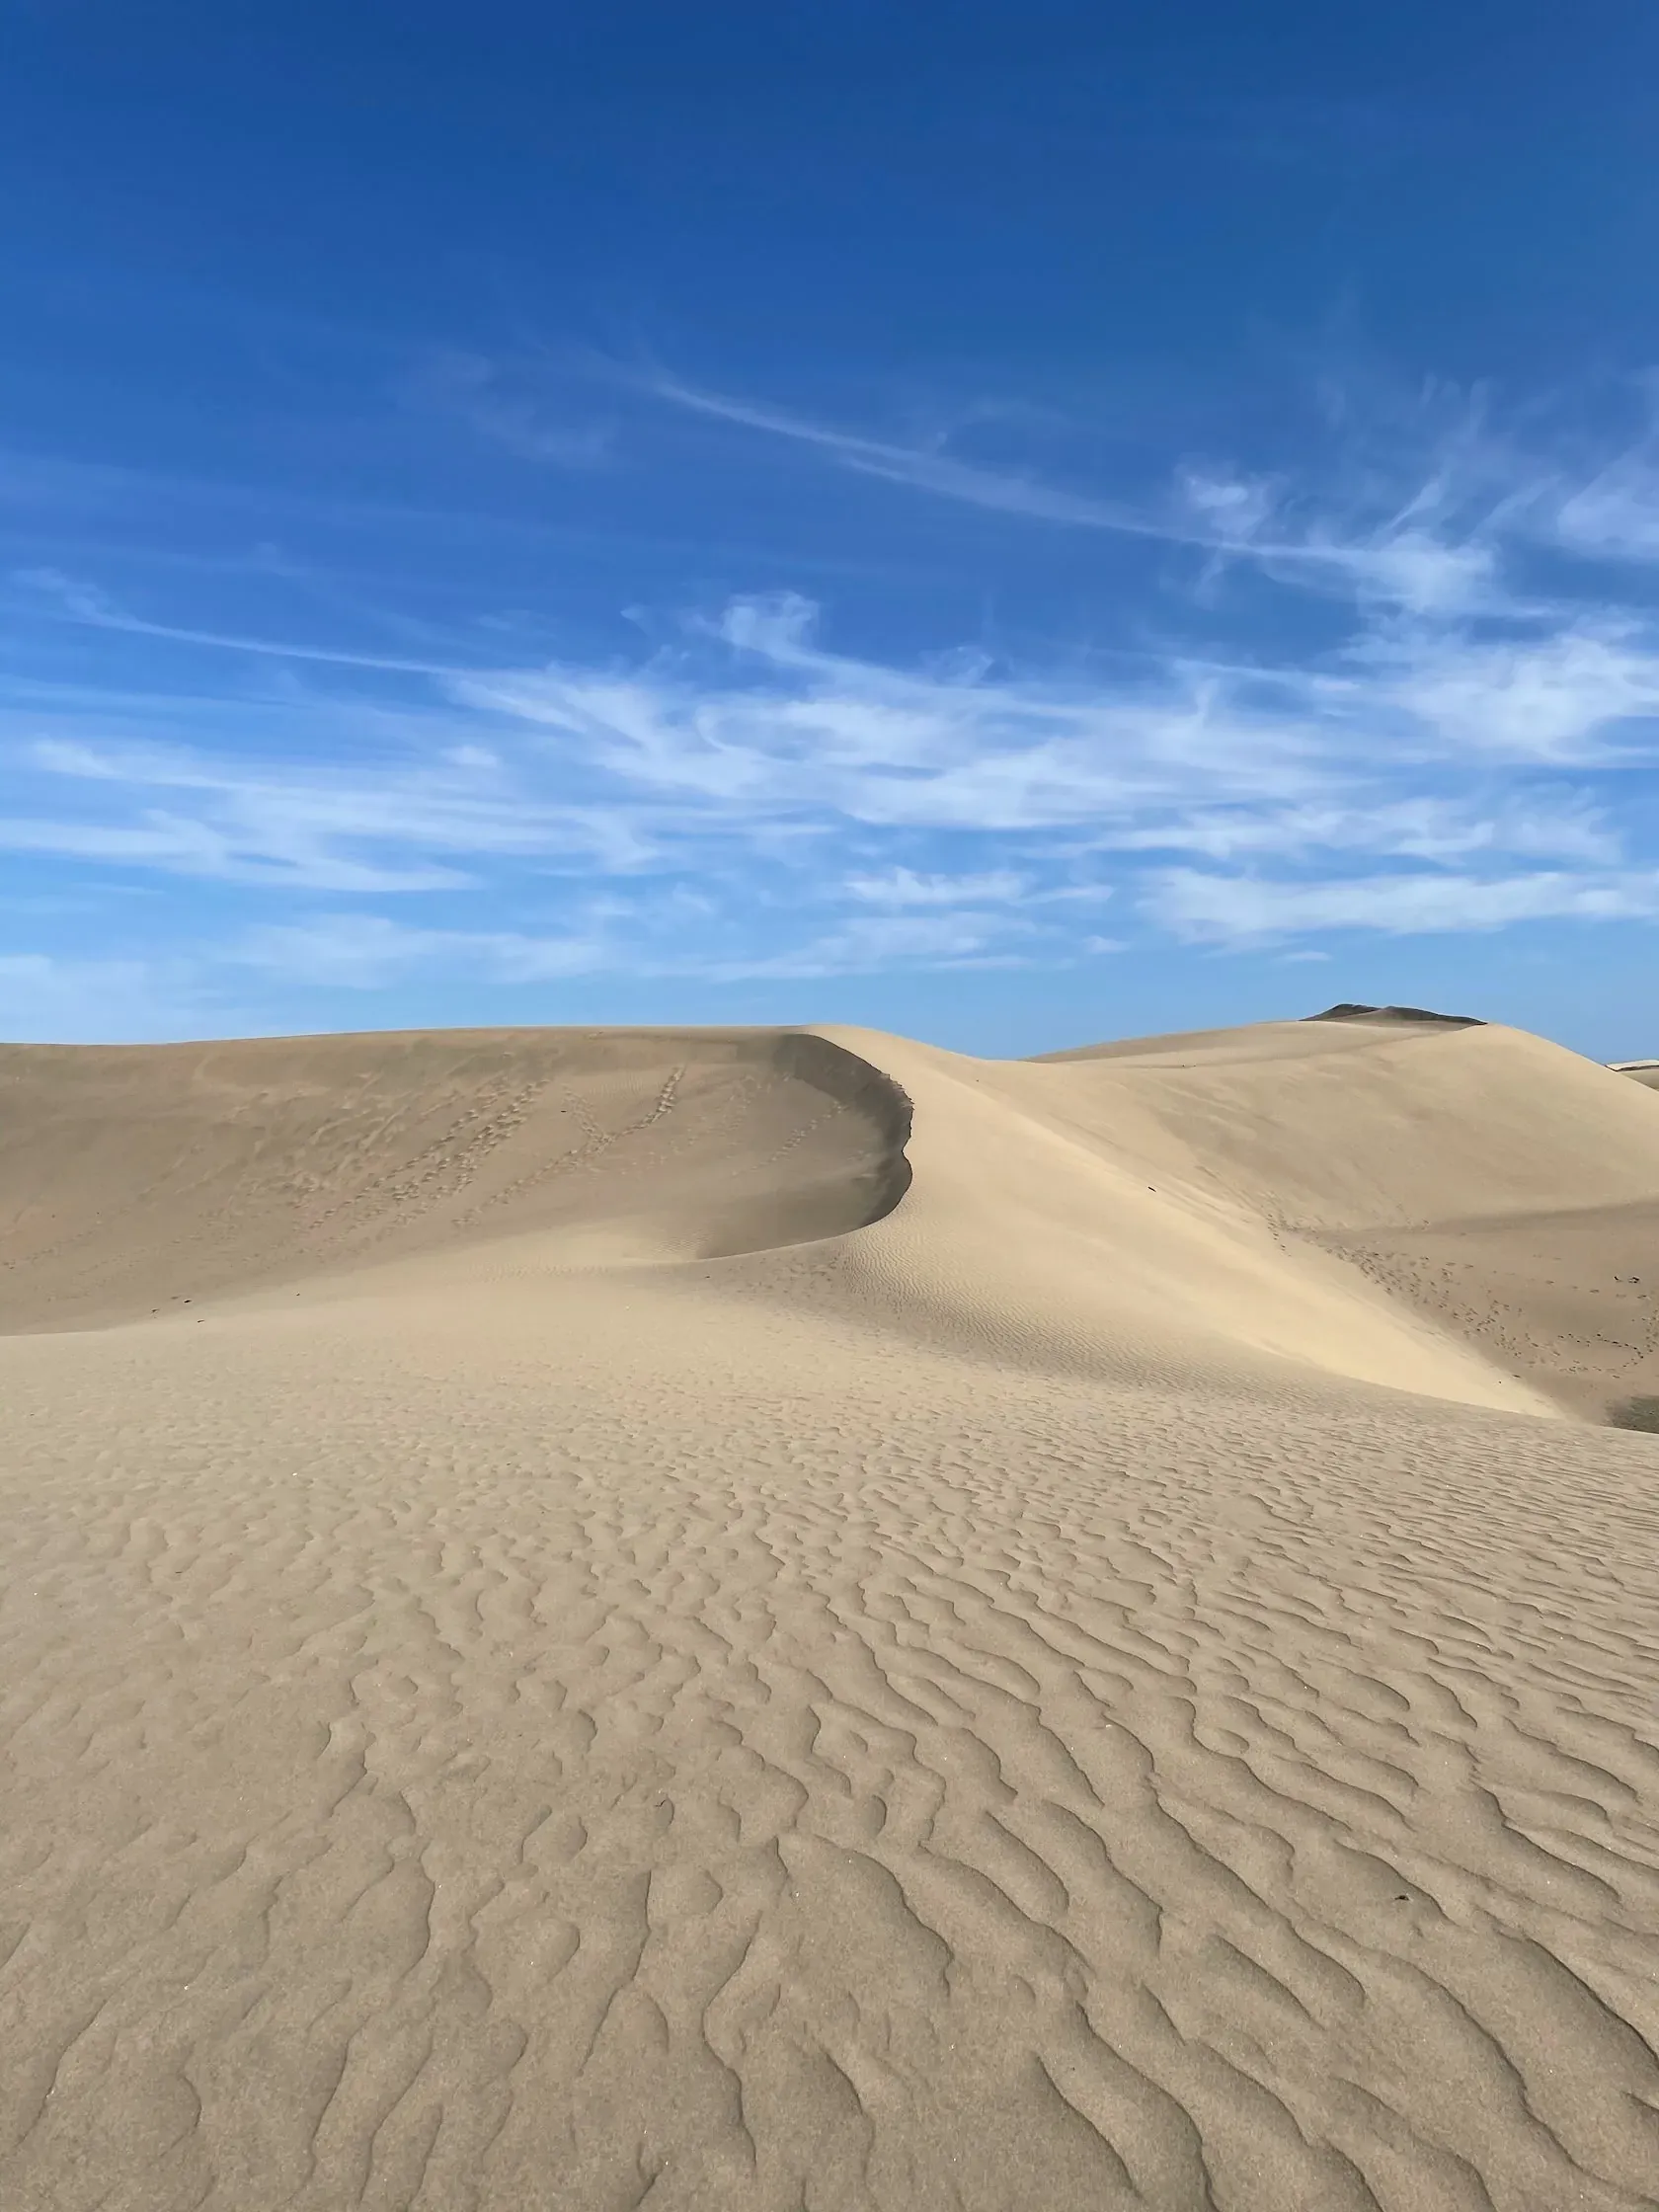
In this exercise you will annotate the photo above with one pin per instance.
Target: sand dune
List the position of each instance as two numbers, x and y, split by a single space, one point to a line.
794 1620
133 1178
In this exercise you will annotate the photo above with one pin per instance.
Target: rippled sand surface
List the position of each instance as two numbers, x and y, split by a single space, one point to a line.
792 1619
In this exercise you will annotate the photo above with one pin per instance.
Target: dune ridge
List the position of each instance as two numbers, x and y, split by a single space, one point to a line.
133 1177
796 1620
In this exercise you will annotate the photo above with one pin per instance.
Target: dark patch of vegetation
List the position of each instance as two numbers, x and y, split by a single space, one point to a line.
1635 1413
1350 1009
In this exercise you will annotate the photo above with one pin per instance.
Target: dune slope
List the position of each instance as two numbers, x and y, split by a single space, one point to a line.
137 1177
862 1629
1504 1189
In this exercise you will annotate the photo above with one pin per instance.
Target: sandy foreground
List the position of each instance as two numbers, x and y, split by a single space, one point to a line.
791 1621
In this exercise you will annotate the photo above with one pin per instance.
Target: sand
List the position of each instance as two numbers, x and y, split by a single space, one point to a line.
796 1620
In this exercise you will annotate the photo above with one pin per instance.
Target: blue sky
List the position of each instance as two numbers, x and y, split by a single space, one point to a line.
1014 524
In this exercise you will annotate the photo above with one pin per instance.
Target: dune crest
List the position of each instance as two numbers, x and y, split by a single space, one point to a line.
133 1178
794 1620
1153 1206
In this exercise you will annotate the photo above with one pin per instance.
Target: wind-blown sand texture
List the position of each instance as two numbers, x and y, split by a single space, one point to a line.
796 1620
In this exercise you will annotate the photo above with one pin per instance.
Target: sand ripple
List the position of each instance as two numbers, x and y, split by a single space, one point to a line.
673 1736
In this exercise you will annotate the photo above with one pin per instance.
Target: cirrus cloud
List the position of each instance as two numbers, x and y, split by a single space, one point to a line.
1460 731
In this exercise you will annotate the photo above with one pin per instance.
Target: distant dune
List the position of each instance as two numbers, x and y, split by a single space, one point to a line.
790 1619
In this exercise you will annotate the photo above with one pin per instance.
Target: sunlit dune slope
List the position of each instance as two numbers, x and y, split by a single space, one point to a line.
1504 1188
1443 1207
1456 1208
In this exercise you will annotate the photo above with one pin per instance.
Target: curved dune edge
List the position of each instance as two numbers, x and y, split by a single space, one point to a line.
1440 1207
1053 1228
136 1180
1456 1210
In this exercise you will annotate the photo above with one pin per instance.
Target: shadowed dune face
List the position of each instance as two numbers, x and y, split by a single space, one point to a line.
134 1178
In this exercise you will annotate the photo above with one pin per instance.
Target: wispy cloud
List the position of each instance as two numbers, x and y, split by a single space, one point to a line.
923 468
410 822
1616 512
502 411
62 999
1432 705
1229 909
1395 555
1538 821
868 945
1004 798
366 952
1305 752
74 600
904 887
1584 687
